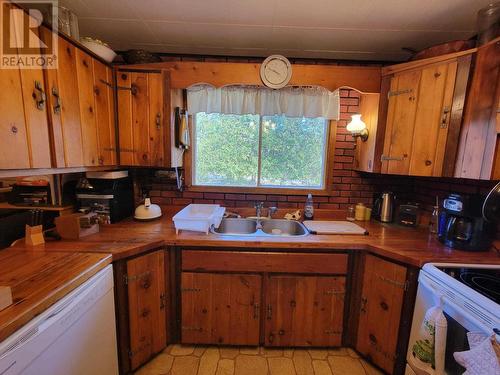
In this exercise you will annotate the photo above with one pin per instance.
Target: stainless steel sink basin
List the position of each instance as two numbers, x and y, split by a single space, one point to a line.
257 227
284 228
236 227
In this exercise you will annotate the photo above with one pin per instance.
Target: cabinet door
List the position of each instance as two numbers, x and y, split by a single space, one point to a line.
64 111
156 119
220 308
35 113
140 118
403 96
125 126
87 108
304 311
432 119
14 153
381 303
103 83
147 307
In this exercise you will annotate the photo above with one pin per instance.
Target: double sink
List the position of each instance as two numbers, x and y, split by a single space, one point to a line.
260 227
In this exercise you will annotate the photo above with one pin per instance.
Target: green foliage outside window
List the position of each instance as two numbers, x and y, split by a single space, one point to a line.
292 150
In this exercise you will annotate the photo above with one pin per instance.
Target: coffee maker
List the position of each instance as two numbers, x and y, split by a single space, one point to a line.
462 226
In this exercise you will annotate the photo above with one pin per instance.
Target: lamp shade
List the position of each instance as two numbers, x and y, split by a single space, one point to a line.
356 125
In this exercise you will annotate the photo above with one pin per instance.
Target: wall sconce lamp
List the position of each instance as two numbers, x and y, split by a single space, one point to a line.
357 128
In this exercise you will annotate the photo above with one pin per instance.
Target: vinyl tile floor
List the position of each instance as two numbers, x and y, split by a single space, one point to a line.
211 360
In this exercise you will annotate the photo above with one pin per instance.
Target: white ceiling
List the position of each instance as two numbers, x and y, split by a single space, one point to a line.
334 29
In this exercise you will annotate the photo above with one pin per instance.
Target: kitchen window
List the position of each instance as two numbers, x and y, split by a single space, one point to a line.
249 150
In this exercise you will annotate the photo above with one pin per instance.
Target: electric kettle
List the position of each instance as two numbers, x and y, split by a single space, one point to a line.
383 207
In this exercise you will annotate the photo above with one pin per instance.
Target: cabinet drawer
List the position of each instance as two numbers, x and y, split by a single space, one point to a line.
235 261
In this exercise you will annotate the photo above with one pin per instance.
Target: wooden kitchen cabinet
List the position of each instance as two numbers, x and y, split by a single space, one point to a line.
142 309
220 308
84 69
382 297
80 108
144 139
24 133
418 140
105 113
304 310
479 151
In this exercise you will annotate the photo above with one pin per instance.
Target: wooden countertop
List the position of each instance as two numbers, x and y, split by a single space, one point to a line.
412 246
39 279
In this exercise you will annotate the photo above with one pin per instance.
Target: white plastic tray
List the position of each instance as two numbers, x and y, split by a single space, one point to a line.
198 217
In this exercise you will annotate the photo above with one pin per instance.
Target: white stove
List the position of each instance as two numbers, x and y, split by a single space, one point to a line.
471 303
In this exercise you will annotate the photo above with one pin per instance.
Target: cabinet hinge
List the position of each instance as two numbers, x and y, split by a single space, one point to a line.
163 300
403 285
196 329
332 332
144 346
190 289
128 279
399 92
333 292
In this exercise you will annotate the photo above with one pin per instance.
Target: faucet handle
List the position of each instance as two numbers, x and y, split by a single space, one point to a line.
270 211
259 204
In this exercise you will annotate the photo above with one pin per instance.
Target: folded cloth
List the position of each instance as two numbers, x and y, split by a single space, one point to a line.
429 348
481 359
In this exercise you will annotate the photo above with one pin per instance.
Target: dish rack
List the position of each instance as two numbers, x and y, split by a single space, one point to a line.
198 217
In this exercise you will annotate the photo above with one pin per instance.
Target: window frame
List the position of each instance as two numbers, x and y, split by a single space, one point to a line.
328 161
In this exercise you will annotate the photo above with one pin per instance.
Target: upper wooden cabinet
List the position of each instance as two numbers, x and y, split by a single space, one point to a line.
421 129
142 97
24 134
479 148
60 117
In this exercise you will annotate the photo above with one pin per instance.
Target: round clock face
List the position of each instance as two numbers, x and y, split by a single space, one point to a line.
276 71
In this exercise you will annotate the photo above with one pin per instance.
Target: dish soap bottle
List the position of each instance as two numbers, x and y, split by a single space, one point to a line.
309 208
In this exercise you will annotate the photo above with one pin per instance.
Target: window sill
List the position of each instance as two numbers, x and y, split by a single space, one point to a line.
257 190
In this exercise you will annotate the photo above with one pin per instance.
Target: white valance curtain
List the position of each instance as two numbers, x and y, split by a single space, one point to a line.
308 101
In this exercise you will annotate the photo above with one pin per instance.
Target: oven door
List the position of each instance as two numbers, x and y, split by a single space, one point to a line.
459 320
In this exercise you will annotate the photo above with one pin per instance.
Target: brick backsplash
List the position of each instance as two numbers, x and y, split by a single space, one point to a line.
348 186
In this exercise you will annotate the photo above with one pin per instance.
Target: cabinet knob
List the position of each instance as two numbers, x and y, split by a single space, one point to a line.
384 306
14 129
144 157
100 161
428 162
145 313
372 338
57 101
145 283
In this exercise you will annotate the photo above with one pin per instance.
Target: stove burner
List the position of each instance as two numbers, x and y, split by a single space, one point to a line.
486 284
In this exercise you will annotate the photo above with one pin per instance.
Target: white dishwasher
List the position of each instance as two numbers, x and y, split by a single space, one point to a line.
75 336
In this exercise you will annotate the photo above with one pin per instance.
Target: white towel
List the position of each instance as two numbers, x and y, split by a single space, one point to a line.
481 359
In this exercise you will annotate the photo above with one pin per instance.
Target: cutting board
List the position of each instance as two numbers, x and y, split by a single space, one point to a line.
5 297
334 227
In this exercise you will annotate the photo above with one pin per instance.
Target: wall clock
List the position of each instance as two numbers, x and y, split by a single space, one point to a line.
276 71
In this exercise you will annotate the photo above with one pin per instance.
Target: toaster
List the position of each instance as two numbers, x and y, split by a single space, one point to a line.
408 215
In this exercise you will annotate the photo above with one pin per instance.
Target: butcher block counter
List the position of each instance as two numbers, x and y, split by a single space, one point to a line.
38 279
411 246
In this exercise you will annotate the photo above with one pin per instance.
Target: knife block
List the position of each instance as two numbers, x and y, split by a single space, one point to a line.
34 235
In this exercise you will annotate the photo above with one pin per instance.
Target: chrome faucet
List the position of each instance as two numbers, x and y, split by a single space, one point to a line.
258 208
271 211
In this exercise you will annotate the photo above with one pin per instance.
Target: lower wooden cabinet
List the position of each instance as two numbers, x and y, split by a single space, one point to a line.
141 291
304 311
220 308
383 291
